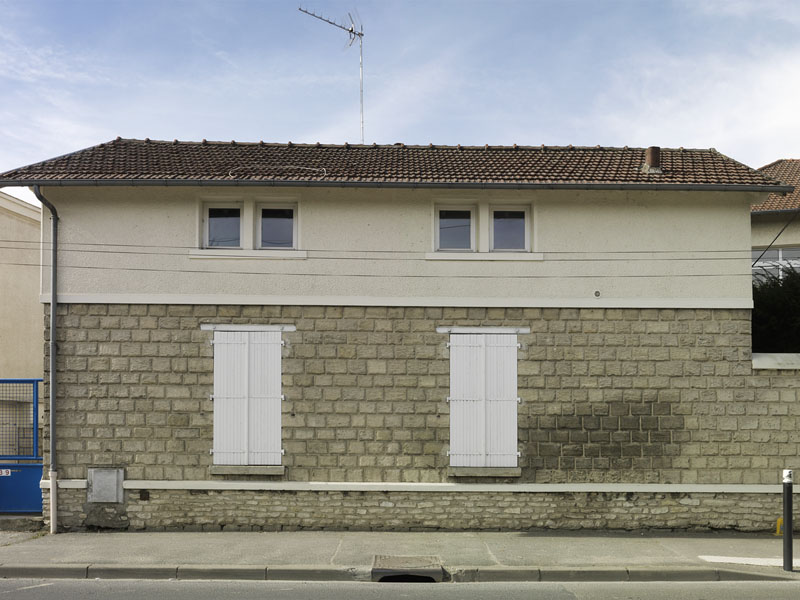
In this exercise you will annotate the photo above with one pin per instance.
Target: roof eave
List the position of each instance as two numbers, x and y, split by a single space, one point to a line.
711 187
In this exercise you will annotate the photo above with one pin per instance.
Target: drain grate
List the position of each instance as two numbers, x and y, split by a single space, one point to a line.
408 569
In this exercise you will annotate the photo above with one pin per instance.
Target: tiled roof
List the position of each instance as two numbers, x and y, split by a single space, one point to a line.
787 171
219 162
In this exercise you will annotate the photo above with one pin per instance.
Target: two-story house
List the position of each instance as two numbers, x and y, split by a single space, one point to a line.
266 336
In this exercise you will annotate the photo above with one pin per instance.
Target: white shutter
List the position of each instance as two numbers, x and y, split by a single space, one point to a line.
483 400
247 396
230 397
501 400
264 415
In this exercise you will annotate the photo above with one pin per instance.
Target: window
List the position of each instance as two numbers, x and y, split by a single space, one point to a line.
455 229
509 229
223 227
247 395
483 399
277 228
775 262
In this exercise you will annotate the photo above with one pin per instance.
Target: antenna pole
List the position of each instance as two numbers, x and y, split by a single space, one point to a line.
361 81
353 33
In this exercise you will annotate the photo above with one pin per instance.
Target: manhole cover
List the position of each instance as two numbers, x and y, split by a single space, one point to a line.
419 568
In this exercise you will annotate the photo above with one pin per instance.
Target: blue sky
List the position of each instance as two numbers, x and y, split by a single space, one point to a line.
694 73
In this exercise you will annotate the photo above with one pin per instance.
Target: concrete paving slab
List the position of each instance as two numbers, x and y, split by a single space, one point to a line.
250 548
253 573
8 538
578 550
454 548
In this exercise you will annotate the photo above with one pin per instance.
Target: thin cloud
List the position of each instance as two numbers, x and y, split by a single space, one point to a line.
745 108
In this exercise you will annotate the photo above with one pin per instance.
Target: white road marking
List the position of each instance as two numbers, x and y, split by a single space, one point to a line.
745 560
27 587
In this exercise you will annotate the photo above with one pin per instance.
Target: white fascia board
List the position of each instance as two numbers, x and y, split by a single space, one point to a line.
226 327
488 330
425 301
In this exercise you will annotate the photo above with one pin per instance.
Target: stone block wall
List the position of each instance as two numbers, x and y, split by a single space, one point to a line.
241 510
608 395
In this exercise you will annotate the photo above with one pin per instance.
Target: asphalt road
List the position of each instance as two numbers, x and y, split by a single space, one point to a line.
78 589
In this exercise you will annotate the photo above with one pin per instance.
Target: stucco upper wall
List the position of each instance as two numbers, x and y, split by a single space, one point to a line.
21 325
766 226
376 246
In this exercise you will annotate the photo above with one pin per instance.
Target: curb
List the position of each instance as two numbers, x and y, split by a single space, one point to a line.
364 574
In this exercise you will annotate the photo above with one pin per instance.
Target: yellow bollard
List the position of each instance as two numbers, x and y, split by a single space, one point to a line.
779 527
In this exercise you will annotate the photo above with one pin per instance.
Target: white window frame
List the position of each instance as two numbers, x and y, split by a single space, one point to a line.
473 225
523 208
483 425
293 207
254 445
781 263
207 206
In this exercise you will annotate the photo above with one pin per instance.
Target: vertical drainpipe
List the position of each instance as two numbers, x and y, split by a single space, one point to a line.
53 309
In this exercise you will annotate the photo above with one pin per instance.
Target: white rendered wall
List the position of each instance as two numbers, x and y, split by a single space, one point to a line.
371 246
767 226
21 319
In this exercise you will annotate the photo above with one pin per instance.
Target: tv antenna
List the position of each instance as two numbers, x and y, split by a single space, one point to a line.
354 34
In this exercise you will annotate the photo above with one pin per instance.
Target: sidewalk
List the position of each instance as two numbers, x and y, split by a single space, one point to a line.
446 556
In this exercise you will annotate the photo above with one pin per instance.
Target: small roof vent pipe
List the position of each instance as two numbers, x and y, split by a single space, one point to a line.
652 160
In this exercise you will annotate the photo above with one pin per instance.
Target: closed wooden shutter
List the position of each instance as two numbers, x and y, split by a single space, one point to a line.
483 400
247 397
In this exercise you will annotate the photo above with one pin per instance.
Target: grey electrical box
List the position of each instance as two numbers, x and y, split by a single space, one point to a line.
105 485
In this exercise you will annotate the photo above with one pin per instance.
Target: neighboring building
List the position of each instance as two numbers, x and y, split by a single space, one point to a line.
770 216
266 336
21 321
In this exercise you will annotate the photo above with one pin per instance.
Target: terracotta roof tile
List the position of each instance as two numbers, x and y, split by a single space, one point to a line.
787 171
129 159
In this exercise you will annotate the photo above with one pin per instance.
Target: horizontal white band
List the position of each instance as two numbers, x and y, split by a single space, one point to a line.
427 301
530 488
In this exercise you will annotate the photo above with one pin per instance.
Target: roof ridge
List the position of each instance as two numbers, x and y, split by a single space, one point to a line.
373 145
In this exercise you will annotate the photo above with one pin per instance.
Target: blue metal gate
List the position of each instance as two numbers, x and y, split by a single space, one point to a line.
20 463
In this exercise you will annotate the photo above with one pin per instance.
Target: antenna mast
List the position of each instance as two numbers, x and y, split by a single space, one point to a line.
353 33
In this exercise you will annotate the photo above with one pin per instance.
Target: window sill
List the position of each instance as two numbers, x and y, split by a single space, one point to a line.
519 256
484 471
247 470
776 361
215 253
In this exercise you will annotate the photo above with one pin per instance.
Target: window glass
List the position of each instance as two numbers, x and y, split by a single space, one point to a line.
790 253
770 254
277 228
509 230
223 227
455 230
